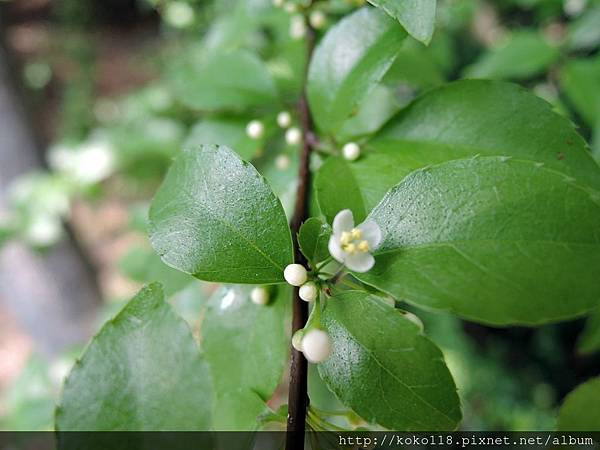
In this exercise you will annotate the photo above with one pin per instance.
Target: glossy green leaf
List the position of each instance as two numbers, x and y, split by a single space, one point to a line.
230 132
416 16
313 239
143 265
523 55
460 120
216 218
581 409
589 340
384 368
348 62
491 239
247 349
235 80
143 371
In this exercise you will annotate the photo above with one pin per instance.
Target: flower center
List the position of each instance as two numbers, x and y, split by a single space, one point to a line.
352 242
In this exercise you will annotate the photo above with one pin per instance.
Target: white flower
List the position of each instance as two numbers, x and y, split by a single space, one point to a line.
284 119
277 3
297 27
295 274
318 19
43 231
351 151
255 129
308 291
290 7
259 295
293 136
352 245
316 346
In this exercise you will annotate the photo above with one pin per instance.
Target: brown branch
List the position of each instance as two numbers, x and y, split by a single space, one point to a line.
298 389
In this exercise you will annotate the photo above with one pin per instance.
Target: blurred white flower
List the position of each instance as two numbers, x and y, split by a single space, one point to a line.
43 230
179 14
352 245
297 27
90 163
255 129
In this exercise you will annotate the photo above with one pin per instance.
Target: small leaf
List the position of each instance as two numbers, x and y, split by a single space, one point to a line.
385 369
492 240
313 239
349 61
247 349
216 218
416 16
232 81
581 409
589 340
580 81
229 132
143 371
524 55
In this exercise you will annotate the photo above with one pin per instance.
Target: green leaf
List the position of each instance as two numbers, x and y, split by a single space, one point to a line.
229 132
491 239
589 339
216 218
416 16
233 81
581 409
524 55
313 239
349 61
460 120
143 265
143 371
384 368
247 349
584 33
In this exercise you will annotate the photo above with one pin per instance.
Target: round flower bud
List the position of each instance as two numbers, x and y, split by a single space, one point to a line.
316 346
351 151
293 136
308 291
284 119
318 19
255 129
290 7
295 274
259 295
297 27
282 162
278 3
297 340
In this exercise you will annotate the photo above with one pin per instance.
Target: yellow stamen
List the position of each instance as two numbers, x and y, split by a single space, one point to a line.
350 248
363 246
356 233
346 238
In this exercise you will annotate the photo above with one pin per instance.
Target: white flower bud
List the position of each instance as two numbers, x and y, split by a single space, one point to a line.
295 274
284 119
282 162
308 291
351 151
259 295
316 346
179 14
278 3
318 19
297 27
255 129
290 7
293 136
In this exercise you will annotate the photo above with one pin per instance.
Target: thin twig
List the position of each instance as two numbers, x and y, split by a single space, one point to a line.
298 389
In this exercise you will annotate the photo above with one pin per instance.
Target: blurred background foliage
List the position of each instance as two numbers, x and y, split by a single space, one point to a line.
116 88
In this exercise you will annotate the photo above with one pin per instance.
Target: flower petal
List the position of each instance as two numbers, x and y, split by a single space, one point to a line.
343 221
336 249
371 233
360 262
